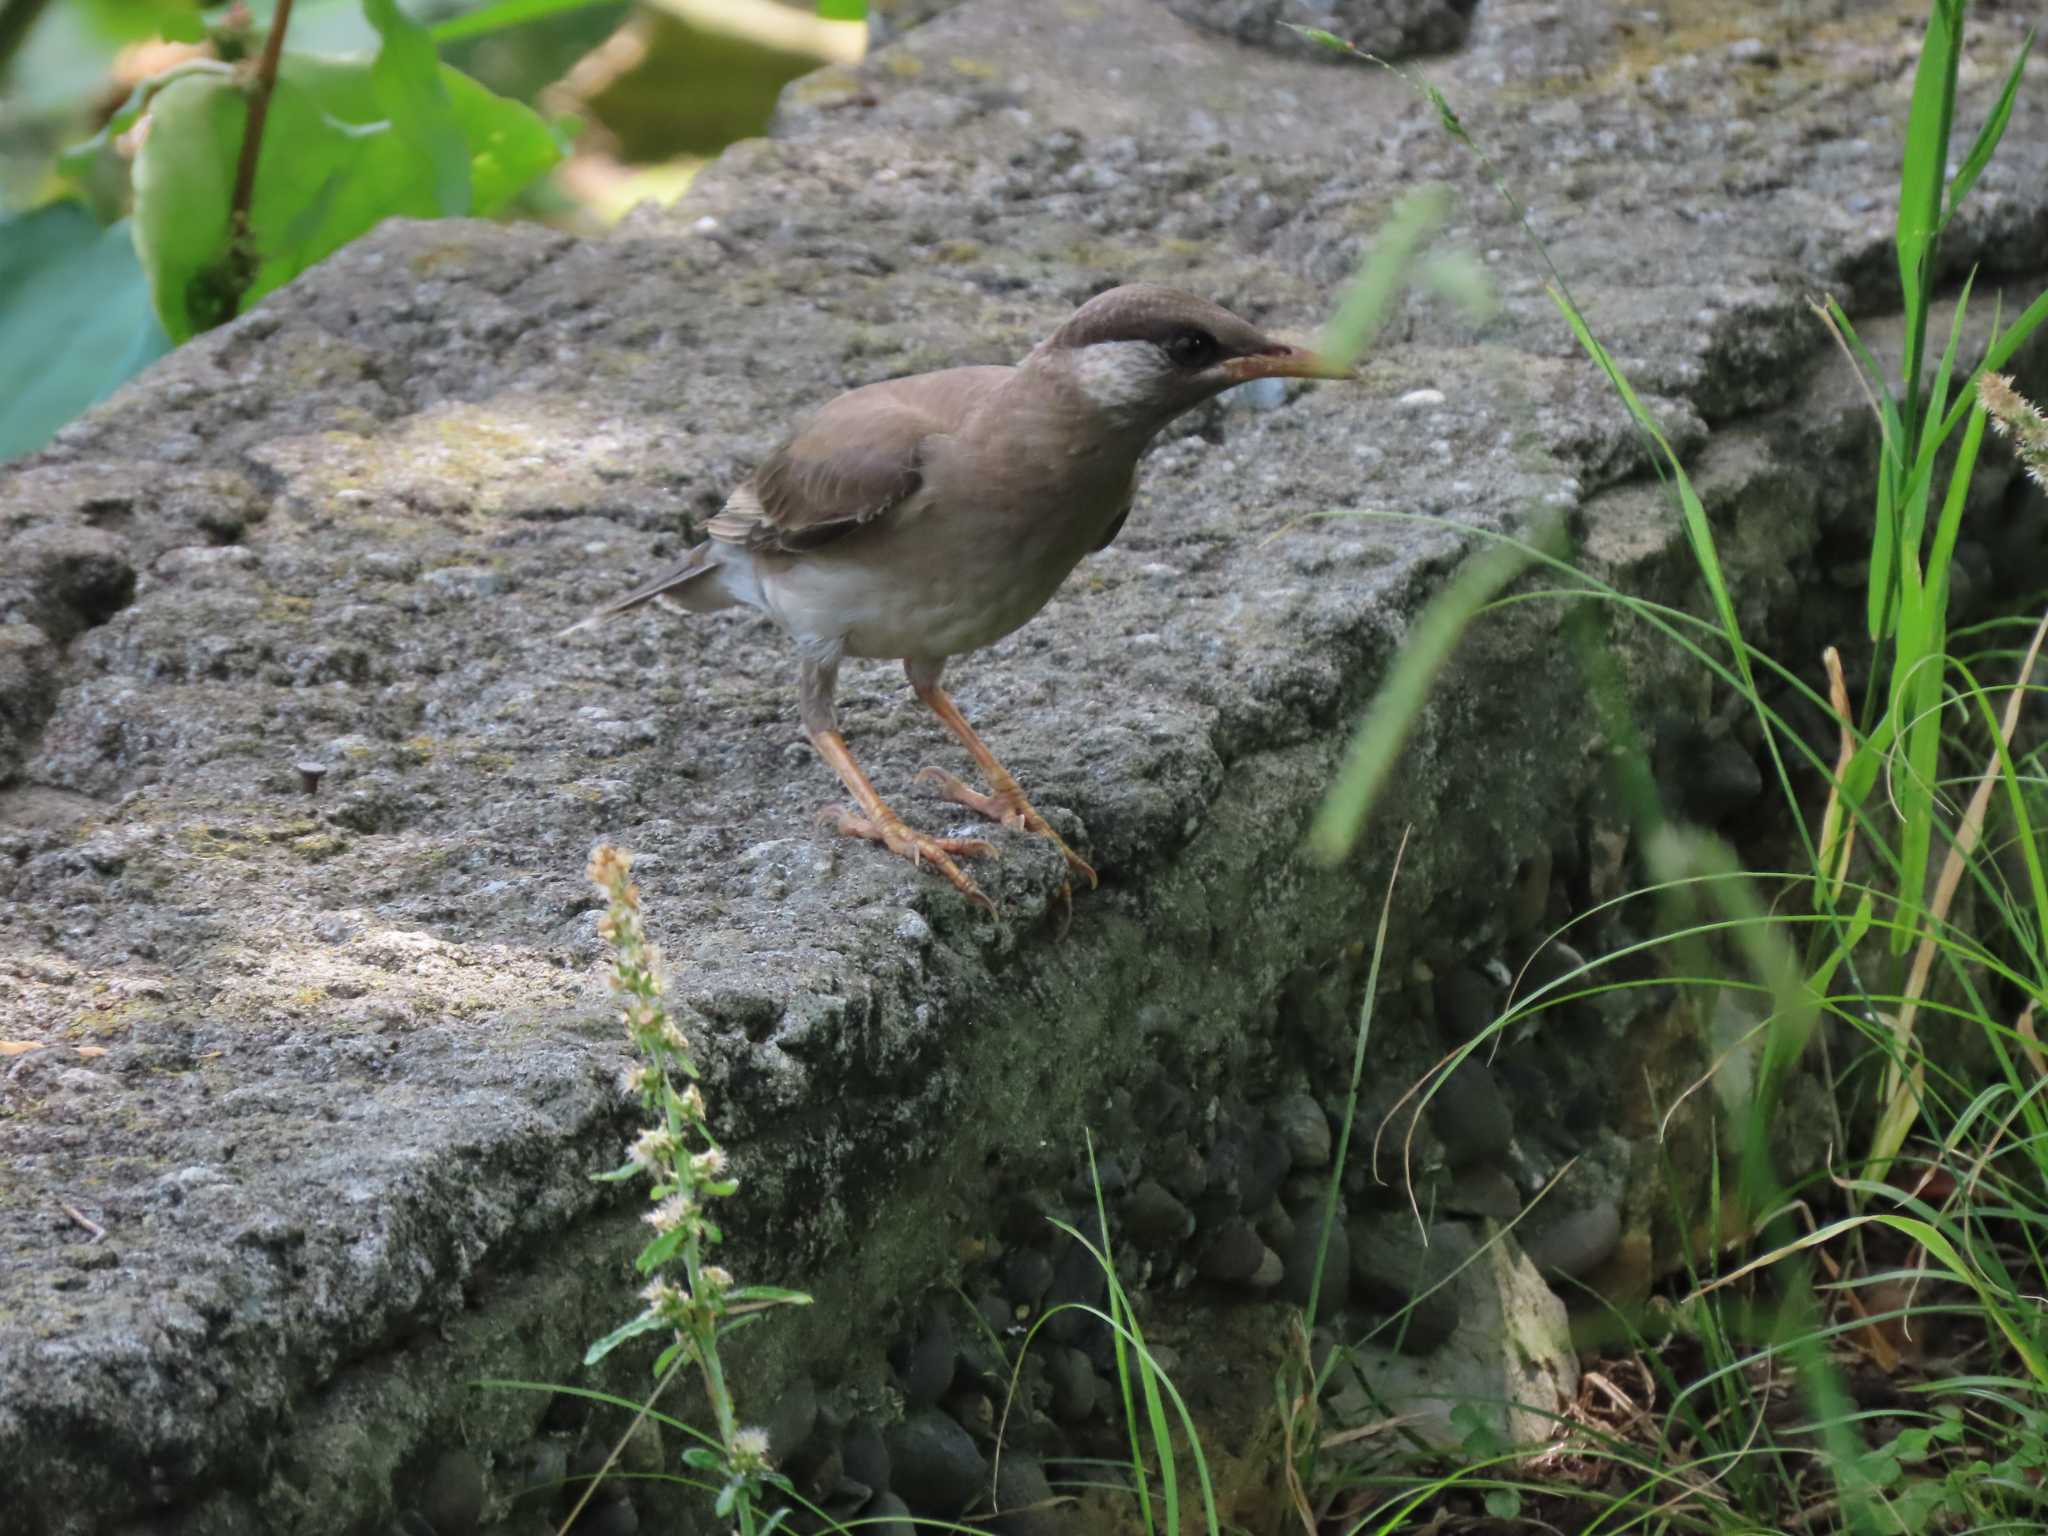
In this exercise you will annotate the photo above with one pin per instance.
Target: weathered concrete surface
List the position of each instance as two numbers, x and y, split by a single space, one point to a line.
331 1069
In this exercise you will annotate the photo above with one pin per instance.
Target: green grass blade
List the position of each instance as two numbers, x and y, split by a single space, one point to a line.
1997 355
1155 1386
1936 1242
1921 178
1365 1008
1989 135
1922 653
1379 737
1697 530
1937 398
1383 273
2035 942
1943 550
1880 584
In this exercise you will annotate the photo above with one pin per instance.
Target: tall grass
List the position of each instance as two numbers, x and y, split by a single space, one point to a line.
1926 910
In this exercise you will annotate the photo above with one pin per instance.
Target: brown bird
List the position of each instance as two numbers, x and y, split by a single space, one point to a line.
922 517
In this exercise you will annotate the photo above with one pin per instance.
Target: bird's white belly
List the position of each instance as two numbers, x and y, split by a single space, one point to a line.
885 610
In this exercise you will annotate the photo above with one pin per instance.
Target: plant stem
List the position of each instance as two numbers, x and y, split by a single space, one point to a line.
260 87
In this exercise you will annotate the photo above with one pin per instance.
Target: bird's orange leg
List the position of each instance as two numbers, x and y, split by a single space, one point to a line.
878 824
1005 803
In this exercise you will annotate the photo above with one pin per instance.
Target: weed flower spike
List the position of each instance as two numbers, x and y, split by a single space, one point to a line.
2013 415
688 1297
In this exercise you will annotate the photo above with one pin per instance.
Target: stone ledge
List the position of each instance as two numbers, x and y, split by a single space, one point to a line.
354 1054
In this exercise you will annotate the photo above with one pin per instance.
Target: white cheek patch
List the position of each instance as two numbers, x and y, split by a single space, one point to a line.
1121 378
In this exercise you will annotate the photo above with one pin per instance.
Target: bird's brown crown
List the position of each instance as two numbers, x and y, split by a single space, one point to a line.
1190 329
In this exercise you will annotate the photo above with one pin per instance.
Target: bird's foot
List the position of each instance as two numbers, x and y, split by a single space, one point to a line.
1007 808
906 842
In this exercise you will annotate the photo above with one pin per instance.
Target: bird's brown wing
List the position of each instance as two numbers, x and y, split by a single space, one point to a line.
858 459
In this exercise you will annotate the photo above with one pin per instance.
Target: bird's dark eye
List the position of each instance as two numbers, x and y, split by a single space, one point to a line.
1191 348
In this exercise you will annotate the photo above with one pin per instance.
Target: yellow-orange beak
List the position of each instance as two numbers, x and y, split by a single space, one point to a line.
1284 362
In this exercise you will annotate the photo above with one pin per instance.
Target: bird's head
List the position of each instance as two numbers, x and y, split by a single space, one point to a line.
1142 354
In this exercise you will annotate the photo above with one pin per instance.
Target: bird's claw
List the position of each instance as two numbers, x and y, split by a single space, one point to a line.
920 848
1010 810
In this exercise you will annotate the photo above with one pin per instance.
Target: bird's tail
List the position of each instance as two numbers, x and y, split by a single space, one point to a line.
698 584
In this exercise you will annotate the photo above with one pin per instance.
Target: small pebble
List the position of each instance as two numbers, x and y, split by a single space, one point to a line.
790 1422
1077 1284
1304 1128
888 1516
924 1368
1072 1376
1258 395
1027 1275
996 1312
863 1456
1024 1500
1483 1191
1529 897
1233 1254
467 581
1392 1266
1271 1272
1578 1243
1265 1166
1470 1115
1465 1004
934 1463
1299 1260
974 1412
539 1463
1718 779
1154 1218
453 1498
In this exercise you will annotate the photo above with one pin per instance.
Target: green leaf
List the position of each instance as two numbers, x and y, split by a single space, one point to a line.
333 166
1480 1435
774 1293
646 1322
78 162
509 144
660 1250
183 178
1503 1503
132 21
409 87
505 14
75 324
1880 1468
843 10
